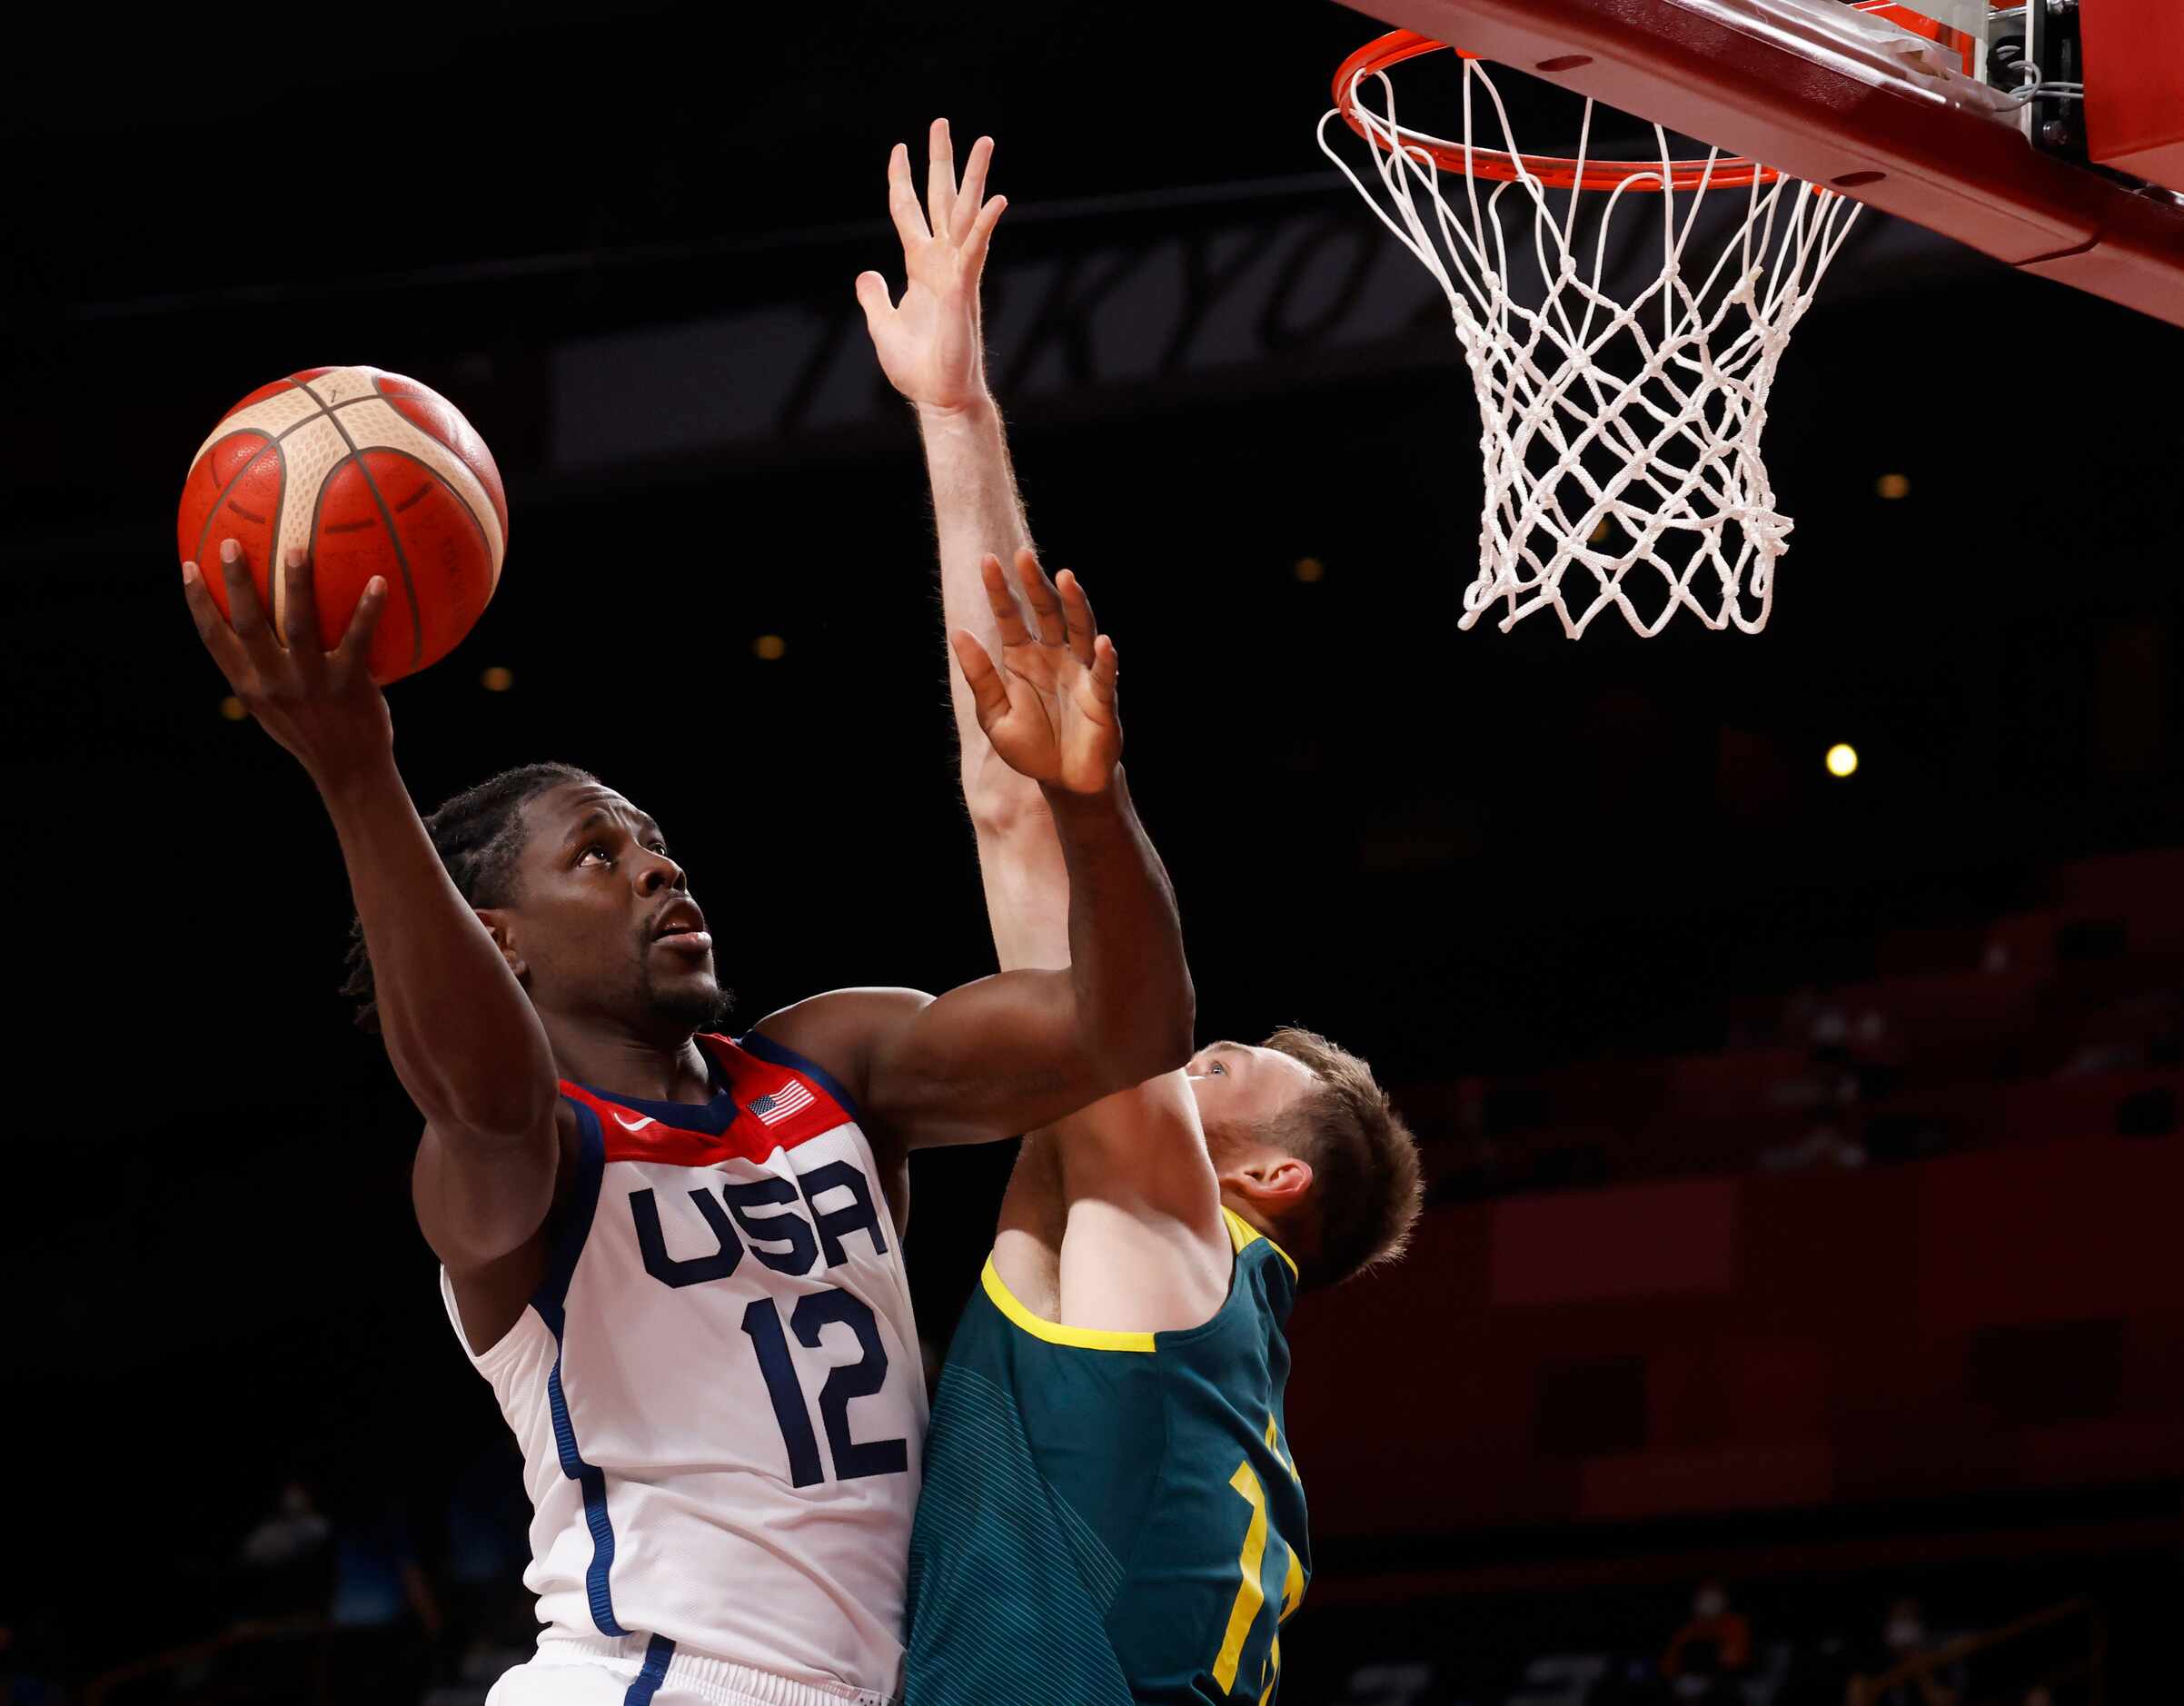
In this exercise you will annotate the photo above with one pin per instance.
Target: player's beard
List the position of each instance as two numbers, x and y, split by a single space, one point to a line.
694 1007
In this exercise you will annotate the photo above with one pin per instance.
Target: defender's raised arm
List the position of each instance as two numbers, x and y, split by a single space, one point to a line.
931 346
1143 1145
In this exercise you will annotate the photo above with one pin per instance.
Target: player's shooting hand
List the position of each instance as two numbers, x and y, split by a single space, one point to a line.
1048 705
931 343
321 705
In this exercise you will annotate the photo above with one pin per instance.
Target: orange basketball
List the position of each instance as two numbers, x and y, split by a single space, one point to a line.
372 474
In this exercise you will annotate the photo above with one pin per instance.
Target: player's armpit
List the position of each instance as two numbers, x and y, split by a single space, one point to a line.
987 1060
479 1198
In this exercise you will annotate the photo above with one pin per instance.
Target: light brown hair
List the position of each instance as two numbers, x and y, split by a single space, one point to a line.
1367 1186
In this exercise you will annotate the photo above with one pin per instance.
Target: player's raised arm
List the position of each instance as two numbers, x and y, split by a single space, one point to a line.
1019 1050
466 1044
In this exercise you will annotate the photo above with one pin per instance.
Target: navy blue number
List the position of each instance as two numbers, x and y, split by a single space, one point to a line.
765 1329
860 1379
818 1310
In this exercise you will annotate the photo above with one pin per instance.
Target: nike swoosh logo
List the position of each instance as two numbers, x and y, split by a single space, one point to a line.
637 1124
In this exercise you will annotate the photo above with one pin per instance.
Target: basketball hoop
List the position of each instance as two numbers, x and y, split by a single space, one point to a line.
1621 438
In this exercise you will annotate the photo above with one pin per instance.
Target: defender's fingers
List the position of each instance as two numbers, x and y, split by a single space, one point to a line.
988 693
211 626
300 608
971 197
873 298
981 233
902 200
1039 593
1003 602
940 179
1077 616
246 612
350 654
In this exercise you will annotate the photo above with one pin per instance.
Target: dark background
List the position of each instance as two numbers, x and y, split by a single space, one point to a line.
1459 853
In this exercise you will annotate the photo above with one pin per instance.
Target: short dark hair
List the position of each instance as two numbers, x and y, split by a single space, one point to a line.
479 836
1367 1186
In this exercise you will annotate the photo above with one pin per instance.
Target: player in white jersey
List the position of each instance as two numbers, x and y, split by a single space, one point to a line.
678 1258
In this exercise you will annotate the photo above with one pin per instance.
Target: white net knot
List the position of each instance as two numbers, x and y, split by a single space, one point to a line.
1620 439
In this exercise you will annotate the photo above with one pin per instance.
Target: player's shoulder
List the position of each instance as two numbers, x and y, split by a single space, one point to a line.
765 1064
835 1031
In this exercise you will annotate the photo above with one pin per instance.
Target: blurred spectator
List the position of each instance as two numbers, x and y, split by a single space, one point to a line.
488 1624
1829 1033
2146 1031
293 1531
377 1579
1711 1652
1826 1144
287 1558
1830 1083
1904 1636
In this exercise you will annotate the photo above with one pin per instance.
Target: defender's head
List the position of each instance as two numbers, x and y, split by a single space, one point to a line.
584 899
1309 1150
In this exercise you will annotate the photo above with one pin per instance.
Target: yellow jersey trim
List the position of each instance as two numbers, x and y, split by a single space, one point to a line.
1243 1234
1053 1332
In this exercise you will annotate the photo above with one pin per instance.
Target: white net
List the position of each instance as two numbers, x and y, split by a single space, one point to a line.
1621 415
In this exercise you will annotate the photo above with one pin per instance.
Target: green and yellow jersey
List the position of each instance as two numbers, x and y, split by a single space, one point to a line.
1109 1517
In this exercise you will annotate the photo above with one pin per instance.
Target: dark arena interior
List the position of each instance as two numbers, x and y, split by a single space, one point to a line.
1803 1151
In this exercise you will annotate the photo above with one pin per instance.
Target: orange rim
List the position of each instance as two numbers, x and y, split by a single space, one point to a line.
1727 172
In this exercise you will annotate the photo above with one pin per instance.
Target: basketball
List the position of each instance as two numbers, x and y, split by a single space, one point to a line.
371 473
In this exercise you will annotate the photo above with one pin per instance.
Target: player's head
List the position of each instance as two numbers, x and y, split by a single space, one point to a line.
582 894
1310 1149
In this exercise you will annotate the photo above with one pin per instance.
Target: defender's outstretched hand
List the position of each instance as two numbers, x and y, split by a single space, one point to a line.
930 342
322 706
1048 706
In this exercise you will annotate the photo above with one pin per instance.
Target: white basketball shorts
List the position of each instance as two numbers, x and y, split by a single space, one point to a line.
568 1671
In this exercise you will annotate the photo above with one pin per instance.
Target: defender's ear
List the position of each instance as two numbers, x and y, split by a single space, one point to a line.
1271 1181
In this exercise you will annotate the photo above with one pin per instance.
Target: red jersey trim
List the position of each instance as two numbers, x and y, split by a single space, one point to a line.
799 1106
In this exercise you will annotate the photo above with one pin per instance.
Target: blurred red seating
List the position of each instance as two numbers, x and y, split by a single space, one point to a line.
2088 1105
2146 891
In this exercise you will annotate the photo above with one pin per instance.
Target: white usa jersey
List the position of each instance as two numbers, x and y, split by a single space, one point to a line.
718 1389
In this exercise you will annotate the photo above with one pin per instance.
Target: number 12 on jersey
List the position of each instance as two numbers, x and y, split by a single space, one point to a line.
813 1314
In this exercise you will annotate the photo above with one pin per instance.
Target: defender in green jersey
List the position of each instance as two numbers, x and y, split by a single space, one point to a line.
1110 1512
1110 1516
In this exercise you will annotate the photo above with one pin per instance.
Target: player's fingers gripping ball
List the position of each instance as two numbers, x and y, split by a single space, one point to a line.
372 474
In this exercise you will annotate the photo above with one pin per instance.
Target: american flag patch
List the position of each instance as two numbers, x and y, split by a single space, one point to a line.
790 1098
